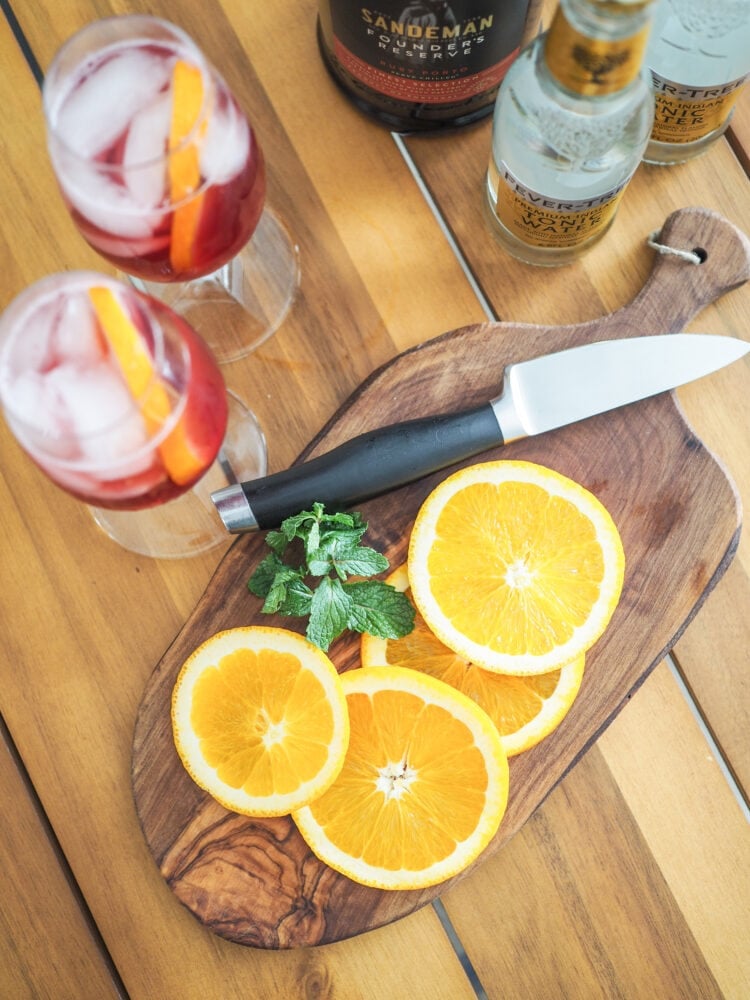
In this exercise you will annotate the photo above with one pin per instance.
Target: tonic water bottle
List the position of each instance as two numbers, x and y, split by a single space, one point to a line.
571 123
699 56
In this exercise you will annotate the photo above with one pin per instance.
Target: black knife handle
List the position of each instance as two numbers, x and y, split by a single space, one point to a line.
373 463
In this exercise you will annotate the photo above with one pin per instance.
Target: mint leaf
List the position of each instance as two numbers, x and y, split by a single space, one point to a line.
296 525
329 613
277 542
282 587
332 552
262 579
312 541
346 520
278 593
346 560
360 561
319 563
298 601
380 609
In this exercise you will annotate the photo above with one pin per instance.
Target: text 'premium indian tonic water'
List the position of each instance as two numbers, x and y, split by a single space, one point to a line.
572 120
422 65
699 57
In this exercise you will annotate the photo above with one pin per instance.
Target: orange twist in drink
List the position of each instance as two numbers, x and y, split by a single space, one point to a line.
184 162
180 459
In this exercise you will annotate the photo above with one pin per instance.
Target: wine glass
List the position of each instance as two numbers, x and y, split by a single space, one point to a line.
164 177
120 402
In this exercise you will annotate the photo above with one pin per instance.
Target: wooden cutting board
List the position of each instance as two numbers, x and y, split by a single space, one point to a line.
254 881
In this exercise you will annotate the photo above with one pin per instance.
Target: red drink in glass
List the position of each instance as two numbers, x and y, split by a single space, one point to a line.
113 395
159 167
163 175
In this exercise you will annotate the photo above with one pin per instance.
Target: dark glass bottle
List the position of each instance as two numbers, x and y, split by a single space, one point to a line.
424 65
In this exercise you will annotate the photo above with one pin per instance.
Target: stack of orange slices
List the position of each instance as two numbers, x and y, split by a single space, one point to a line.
515 571
396 772
393 778
524 707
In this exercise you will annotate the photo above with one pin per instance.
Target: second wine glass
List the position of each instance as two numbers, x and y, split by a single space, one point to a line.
163 176
120 402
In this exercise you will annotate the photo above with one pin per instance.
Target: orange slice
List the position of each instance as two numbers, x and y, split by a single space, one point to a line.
184 162
423 787
524 709
180 459
259 720
515 567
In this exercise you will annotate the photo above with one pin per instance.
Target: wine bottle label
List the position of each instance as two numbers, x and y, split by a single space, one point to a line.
540 221
685 114
428 51
592 66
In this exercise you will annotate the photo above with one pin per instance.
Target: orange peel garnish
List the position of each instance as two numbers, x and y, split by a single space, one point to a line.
184 162
180 459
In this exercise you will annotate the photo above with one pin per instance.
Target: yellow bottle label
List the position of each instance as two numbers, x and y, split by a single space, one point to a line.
592 66
540 221
686 114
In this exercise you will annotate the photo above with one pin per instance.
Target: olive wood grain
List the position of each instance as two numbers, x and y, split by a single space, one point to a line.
254 881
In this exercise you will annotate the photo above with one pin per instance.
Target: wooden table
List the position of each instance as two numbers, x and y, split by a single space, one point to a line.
631 880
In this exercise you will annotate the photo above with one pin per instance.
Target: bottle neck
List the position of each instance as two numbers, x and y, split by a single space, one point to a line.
594 47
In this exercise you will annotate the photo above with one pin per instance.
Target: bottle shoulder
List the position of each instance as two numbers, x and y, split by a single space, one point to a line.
565 139
529 84
701 44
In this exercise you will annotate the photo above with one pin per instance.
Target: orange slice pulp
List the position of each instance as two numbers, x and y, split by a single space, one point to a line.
259 720
524 708
423 787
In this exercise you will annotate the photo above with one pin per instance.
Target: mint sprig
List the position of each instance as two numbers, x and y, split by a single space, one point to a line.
331 553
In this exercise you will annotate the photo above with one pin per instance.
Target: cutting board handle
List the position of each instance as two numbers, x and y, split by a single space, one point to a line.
677 289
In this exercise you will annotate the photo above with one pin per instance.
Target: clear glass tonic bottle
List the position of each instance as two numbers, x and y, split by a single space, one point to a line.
571 123
699 56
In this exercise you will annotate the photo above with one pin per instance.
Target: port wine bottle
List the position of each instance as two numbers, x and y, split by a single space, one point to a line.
424 65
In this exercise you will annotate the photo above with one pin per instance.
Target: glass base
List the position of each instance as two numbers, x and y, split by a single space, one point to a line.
190 524
238 307
669 154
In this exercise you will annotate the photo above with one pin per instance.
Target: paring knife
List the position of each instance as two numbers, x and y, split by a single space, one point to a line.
538 395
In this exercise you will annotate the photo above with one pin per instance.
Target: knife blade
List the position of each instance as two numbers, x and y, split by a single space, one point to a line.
538 395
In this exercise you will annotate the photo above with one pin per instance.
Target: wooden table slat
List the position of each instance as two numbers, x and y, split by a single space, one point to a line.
47 947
